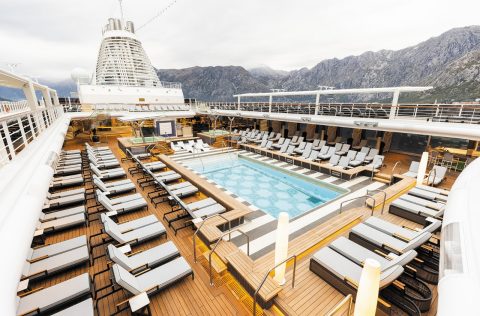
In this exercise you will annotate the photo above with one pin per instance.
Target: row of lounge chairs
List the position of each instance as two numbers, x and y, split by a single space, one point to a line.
190 146
397 249
435 176
135 108
73 296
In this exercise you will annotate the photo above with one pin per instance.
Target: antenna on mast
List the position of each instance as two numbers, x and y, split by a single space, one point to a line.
121 12
161 12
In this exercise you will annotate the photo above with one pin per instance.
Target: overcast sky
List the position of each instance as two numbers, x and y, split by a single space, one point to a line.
48 38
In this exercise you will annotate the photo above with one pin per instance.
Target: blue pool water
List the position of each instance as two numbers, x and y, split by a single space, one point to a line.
268 188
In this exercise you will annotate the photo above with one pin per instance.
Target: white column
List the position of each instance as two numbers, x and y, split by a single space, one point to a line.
367 292
30 123
9 140
422 168
270 104
281 247
393 109
238 98
30 95
22 131
47 97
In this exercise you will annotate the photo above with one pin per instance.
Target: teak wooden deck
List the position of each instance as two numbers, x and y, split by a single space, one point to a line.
311 295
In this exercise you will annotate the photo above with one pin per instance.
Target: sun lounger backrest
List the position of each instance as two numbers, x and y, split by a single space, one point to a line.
119 257
280 141
302 145
114 232
360 157
290 149
313 155
338 146
324 150
344 161
99 183
264 142
331 151
414 166
351 154
322 143
316 142
269 144
373 152
95 170
345 147
294 139
334 160
126 280
365 150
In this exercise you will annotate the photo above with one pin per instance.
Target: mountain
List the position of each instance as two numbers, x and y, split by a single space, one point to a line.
450 62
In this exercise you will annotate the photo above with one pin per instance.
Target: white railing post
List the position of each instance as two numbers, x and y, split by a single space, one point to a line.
22 131
8 139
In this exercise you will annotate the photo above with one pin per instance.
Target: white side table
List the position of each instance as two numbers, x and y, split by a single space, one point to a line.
139 302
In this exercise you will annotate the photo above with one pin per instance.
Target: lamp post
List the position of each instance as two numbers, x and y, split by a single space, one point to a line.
281 247
367 293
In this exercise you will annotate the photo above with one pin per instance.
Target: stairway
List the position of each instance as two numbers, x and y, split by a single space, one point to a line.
383 177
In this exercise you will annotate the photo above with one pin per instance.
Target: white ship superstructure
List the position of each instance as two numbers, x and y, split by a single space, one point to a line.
124 73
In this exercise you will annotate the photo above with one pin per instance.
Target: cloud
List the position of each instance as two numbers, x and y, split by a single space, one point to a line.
51 37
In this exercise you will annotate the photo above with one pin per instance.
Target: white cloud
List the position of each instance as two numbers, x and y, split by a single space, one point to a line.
51 37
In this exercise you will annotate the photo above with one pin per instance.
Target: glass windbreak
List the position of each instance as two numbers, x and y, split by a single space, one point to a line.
448 142
409 143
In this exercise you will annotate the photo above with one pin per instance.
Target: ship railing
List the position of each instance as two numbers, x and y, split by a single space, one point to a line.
8 107
448 113
17 131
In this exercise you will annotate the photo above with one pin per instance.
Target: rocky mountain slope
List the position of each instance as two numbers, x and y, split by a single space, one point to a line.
450 62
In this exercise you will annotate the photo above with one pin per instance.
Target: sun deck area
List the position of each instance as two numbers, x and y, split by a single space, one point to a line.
235 276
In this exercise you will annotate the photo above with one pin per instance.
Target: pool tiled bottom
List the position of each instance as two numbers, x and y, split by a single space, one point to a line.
271 190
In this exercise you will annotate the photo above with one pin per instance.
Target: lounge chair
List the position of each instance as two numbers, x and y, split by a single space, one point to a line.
365 150
264 143
167 176
263 138
135 236
313 155
45 251
62 223
333 161
306 152
285 145
108 173
68 170
436 175
276 138
153 166
55 264
352 154
328 155
412 170
294 139
375 239
343 163
269 145
201 204
359 159
54 297
154 280
377 162
290 150
208 211
179 185
45 217
66 181
320 145
360 145
201 143
52 196
400 231
185 191
433 190
429 195
115 187
64 201
300 148
83 308
359 254
338 147
343 151
129 225
344 274
141 260
106 164
297 142
123 204
414 212
438 206
371 154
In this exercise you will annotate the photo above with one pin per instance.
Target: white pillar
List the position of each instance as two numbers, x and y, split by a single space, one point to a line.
238 97
47 97
281 247
30 95
393 109
422 168
367 292
270 104
317 103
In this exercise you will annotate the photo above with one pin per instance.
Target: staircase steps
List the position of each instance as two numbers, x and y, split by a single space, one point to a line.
383 177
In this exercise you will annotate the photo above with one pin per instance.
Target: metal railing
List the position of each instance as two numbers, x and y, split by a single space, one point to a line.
384 197
294 257
449 113
347 300
7 107
366 196
229 233
19 131
198 230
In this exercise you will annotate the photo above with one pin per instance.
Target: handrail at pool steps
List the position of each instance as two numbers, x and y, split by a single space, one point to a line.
366 196
198 230
229 233
384 197
294 257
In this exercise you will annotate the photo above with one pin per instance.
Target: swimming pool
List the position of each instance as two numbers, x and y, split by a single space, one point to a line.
267 187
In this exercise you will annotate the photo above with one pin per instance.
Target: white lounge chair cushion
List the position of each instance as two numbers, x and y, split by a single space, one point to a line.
65 200
62 213
65 193
84 308
201 204
209 210
57 263
133 224
342 267
392 229
55 295
140 234
55 249
63 222
428 194
148 257
415 208
185 191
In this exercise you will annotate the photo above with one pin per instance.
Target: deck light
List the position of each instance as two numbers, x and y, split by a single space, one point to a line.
367 293
281 247
422 168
